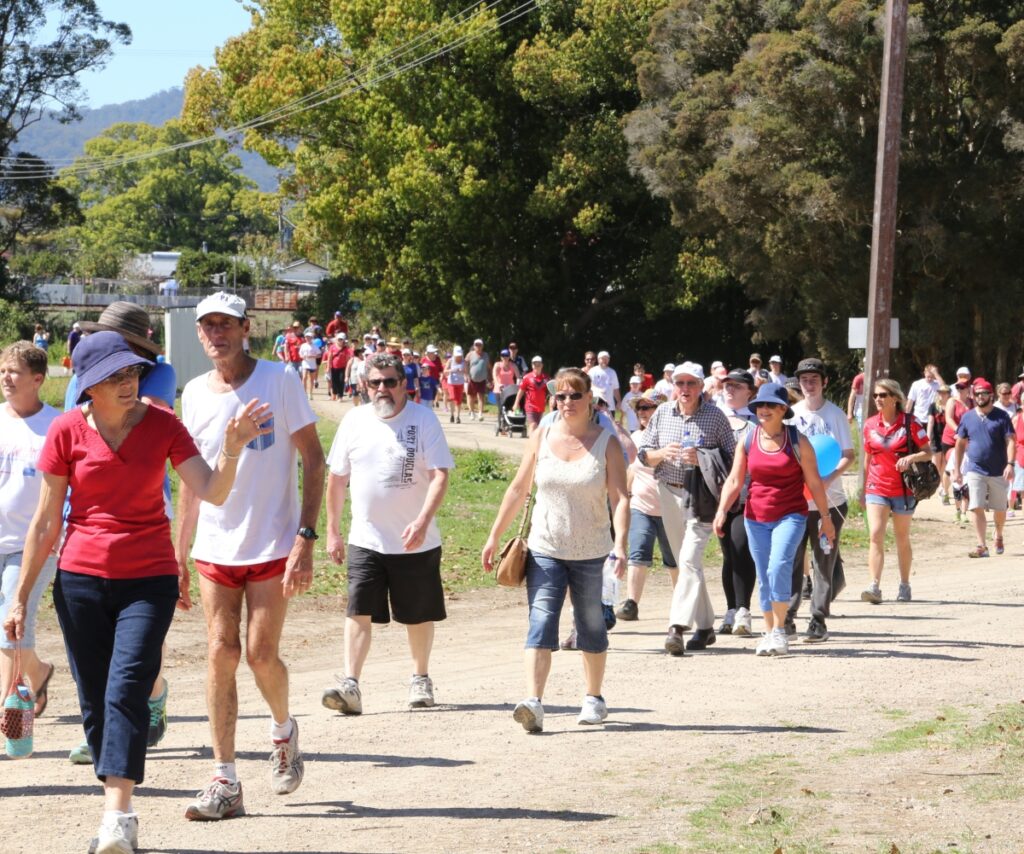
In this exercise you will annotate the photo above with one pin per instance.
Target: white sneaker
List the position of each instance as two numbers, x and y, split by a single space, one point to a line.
741 625
529 713
120 836
345 697
286 765
779 644
727 622
593 711
421 692
764 644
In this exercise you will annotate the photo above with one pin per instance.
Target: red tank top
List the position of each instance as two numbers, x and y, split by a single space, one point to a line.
1020 440
949 431
776 482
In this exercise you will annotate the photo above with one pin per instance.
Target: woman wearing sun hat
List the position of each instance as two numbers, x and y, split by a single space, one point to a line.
779 461
117 580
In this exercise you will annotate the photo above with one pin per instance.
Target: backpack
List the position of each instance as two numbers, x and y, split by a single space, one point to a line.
922 479
794 441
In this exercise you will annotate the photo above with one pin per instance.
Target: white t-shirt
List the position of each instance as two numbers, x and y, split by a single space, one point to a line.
258 521
605 381
389 461
922 394
777 378
830 420
310 355
632 422
665 387
21 440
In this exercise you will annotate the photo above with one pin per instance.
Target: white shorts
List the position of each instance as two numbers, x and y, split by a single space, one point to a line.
987 493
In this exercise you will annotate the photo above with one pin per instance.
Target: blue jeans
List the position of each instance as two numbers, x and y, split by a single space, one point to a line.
773 545
11 567
643 530
547 579
113 631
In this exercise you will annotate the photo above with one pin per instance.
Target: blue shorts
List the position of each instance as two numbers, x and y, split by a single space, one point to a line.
11 567
900 505
547 580
643 531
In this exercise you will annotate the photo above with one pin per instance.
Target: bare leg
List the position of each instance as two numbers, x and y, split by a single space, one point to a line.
635 579
980 525
117 793
266 605
878 520
358 634
999 519
904 552
223 609
779 611
421 641
538 666
160 684
593 671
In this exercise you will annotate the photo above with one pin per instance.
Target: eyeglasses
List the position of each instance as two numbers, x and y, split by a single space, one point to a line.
880 395
684 383
645 408
563 396
387 382
124 375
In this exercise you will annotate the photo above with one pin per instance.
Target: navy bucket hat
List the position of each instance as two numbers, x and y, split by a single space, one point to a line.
99 356
772 393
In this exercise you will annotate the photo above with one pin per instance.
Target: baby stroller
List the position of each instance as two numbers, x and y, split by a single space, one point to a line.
508 422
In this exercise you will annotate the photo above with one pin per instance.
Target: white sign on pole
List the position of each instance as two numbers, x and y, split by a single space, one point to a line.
858 333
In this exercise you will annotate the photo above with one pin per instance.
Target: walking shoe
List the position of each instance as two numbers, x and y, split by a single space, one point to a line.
628 611
593 711
345 697
701 639
570 642
81 755
727 622
779 643
958 515
789 627
904 593
286 765
458 419
808 587
674 641
741 627
157 718
873 595
1000 548
978 551
529 713
451 419
116 836
421 692
764 644
945 499
220 799
816 631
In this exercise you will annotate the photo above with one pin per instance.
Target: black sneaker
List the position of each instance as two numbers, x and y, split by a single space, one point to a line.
816 631
674 641
701 639
628 611
790 627
808 587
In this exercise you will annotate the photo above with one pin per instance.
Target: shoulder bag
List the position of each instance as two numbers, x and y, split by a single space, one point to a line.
511 568
920 479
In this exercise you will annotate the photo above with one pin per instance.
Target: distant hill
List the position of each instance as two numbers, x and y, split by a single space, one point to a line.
54 142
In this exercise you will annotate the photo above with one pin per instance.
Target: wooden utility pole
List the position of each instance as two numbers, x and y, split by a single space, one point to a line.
887 167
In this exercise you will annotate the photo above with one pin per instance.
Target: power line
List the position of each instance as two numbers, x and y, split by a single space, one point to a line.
322 96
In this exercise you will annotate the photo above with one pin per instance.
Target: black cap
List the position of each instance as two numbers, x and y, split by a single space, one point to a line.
811 366
740 376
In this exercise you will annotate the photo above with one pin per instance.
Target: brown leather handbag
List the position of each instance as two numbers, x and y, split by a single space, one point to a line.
511 568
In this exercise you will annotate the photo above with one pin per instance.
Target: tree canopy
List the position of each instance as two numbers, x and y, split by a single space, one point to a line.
759 125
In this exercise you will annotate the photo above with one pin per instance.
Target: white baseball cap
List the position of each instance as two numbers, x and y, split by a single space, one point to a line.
536 359
689 369
478 341
963 372
456 350
406 352
604 354
635 379
221 303
431 348
775 359
668 367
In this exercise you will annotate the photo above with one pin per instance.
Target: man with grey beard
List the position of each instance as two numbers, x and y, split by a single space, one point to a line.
396 458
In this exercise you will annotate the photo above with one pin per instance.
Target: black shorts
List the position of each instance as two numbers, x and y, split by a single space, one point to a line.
413 582
946 448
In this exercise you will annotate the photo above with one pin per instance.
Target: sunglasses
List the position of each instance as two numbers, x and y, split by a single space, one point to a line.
645 408
124 375
563 396
881 394
388 382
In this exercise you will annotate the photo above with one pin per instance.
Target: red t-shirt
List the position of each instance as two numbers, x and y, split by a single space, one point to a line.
646 382
117 527
883 445
535 388
338 356
858 383
949 431
335 326
292 342
776 482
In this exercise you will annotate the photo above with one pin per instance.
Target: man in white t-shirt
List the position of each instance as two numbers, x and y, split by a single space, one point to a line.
775 374
626 407
922 393
256 548
814 416
395 459
605 381
665 386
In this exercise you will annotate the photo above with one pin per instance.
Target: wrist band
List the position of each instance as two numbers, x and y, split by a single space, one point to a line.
224 451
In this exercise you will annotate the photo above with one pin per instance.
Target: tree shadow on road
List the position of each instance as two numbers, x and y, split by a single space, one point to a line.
350 809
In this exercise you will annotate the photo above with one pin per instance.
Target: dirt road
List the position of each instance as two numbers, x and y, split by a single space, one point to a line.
870 740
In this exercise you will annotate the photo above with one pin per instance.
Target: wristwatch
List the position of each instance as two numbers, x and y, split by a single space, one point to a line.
307 534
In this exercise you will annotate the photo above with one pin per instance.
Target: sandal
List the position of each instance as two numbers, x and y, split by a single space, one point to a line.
978 551
999 546
42 696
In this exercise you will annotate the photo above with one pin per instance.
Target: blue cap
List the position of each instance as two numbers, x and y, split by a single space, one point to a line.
772 393
99 356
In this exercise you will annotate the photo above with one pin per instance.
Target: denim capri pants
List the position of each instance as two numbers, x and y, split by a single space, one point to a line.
643 531
773 546
11 566
547 579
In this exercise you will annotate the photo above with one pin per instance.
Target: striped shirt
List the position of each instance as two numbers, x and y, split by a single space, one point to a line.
708 426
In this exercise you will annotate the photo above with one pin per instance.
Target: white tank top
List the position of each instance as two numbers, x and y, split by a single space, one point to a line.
570 515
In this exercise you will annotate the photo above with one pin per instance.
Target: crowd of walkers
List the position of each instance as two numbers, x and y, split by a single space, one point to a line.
747 454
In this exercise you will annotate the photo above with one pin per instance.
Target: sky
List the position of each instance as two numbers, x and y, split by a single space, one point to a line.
168 38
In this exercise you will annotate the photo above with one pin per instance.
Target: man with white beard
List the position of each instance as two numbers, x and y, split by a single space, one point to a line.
395 456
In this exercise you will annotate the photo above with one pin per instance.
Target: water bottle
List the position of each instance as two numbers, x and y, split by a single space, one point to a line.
826 546
688 441
17 716
609 591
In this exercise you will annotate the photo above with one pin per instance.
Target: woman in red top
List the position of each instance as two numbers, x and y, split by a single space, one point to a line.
776 510
117 582
892 441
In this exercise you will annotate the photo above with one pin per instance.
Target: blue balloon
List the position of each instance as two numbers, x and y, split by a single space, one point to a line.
828 452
